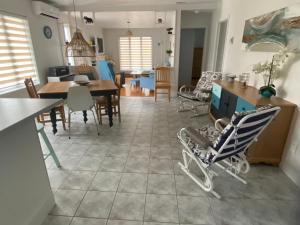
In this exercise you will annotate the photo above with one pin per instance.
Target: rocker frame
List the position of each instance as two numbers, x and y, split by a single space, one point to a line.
233 165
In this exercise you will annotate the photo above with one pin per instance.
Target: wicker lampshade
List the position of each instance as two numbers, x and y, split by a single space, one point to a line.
78 46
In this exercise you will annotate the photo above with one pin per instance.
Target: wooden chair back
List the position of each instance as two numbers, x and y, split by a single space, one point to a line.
163 74
84 69
31 88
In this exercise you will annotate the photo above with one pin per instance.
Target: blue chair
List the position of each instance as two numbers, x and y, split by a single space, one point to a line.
105 69
148 82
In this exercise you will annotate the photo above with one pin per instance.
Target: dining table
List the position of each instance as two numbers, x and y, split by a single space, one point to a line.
59 90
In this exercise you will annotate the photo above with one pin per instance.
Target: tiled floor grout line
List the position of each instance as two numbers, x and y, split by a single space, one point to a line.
108 217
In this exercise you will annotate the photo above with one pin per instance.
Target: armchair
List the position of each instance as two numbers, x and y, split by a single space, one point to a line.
225 148
192 98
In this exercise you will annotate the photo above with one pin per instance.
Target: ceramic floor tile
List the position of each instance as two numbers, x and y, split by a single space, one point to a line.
96 204
133 183
67 202
186 186
161 184
124 222
161 166
57 220
229 211
88 221
106 181
79 180
113 164
161 208
137 165
128 206
131 168
195 210
89 163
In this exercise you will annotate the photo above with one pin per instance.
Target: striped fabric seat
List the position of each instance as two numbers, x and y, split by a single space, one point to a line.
225 148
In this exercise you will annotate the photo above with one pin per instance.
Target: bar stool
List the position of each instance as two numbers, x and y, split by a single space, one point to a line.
41 132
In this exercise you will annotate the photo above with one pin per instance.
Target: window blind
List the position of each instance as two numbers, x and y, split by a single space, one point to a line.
135 53
17 61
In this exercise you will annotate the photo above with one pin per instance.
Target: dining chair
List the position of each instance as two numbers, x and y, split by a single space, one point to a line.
51 152
162 81
31 89
101 105
80 99
85 69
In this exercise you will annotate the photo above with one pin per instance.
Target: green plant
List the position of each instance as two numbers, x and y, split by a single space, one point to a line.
169 51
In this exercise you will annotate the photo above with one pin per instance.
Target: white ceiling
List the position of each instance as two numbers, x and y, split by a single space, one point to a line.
104 5
137 19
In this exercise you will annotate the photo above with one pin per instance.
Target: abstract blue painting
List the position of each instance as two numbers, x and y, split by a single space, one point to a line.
274 31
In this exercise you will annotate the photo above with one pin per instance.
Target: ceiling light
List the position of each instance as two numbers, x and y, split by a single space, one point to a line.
78 46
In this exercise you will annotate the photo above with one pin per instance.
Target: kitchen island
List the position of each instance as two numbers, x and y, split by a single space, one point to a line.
25 192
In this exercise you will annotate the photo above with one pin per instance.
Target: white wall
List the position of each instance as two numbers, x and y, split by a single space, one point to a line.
236 60
159 35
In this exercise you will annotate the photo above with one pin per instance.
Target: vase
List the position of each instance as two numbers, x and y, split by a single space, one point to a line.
267 91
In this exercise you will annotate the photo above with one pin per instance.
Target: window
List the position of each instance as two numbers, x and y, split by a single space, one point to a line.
135 53
67 33
17 60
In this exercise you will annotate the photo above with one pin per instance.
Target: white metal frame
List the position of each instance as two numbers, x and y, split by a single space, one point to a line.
233 165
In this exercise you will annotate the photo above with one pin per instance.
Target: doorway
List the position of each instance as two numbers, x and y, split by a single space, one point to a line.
192 42
221 45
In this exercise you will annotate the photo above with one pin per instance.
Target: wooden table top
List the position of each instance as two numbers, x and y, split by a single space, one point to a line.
63 87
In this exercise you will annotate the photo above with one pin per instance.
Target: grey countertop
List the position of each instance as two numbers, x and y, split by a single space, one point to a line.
16 110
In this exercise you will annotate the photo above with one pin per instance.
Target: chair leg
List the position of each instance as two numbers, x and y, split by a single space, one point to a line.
206 183
69 124
155 93
169 94
50 148
96 122
63 117
119 113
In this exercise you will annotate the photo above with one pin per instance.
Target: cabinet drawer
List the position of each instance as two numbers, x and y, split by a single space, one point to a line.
242 105
215 101
216 90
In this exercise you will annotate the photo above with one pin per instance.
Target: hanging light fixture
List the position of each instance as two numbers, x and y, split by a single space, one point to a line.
78 46
129 32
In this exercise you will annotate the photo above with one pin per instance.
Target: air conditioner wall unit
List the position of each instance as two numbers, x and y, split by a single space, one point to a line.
41 8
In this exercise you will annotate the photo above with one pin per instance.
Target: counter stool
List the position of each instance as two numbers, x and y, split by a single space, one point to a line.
41 132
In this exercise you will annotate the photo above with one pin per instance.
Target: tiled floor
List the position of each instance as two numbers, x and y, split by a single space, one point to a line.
129 176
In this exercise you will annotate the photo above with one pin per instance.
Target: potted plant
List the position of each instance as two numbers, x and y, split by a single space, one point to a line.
169 51
270 72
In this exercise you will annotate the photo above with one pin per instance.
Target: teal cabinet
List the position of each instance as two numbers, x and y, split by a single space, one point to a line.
216 95
242 105
215 101
216 90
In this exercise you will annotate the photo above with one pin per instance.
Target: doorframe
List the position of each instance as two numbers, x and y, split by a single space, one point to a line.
217 43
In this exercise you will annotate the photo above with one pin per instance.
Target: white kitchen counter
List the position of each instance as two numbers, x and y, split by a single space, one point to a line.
25 193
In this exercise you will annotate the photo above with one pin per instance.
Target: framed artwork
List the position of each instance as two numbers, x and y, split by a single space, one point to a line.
274 31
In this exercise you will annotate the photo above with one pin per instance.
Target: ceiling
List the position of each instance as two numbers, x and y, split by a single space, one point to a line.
137 19
102 5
